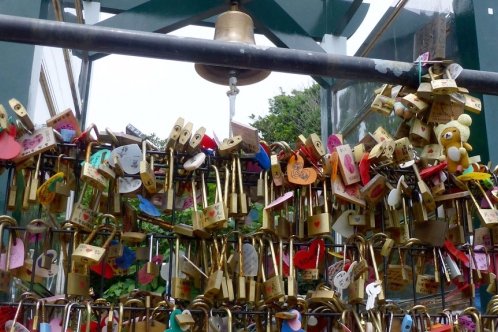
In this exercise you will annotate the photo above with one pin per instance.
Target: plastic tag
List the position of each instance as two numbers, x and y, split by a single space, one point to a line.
406 324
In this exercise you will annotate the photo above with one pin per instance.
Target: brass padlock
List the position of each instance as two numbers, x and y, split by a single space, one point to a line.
215 214
197 216
169 194
89 254
273 287
414 103
180 287
444 86
241 282
184 138
488 217
381 297
151 267
5 274
426 283
83 216
420 133
230 146
175 133
233 201
90 174
242 206
319 224
195 141
472 104
227 284
147 170
33 186
215 279
268 223
383 104
11 202
21 113
78 281
315 146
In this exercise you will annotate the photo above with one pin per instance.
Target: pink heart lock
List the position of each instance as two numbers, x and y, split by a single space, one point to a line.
16 256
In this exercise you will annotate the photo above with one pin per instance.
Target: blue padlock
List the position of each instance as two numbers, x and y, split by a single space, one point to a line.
406 324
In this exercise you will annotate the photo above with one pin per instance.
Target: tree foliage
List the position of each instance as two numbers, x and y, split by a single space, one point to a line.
290 116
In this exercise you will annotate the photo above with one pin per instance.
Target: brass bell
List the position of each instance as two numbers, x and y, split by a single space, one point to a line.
232 26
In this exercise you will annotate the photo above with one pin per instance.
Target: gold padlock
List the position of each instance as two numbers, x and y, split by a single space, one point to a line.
83 216
232 203
444 86
89 254
414 103
215 279
230 146
175 133
215 214
197 216
147 170
315 146
78 281
180 287
184 138
169 195
319 224
21 113
90 174
33 186
273 287
5 274
242 206
488 217
195 141
11 202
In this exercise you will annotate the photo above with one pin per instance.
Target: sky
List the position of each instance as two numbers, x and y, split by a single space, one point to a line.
151 94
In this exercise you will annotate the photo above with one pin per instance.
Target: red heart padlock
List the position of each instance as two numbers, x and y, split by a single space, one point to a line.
306 259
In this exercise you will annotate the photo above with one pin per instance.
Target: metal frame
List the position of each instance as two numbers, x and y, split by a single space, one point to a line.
153 45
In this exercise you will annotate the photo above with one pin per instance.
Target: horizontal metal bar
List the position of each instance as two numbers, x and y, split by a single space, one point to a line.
236 55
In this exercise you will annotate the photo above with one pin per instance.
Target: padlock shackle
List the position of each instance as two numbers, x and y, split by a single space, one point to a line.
171 169
218 182
88 152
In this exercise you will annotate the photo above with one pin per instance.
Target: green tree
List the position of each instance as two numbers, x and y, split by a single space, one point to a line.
290 116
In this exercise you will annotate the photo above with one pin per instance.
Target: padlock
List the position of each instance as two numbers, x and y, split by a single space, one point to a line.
383 104
90 174
147 170
5 273
227 284
426 283
347 166
273 287
230 146
33 186
420 133
444 86
472 104
151 267
276 173
444 109
11 202
78 281
184 138
185 320
21 113
215 278
198 216
268 222
414 103
232 203
89 254
424 91
319 224
488 217
241 281
215 214
169 193
381 297
180 287
174 135
315 146
242 206
195 141
398 275
83 216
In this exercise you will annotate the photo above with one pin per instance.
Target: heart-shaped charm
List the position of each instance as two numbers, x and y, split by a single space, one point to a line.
128 185
129 157
16 256
307 258
297 173
9 148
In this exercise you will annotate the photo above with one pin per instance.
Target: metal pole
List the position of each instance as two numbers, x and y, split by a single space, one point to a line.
235 55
